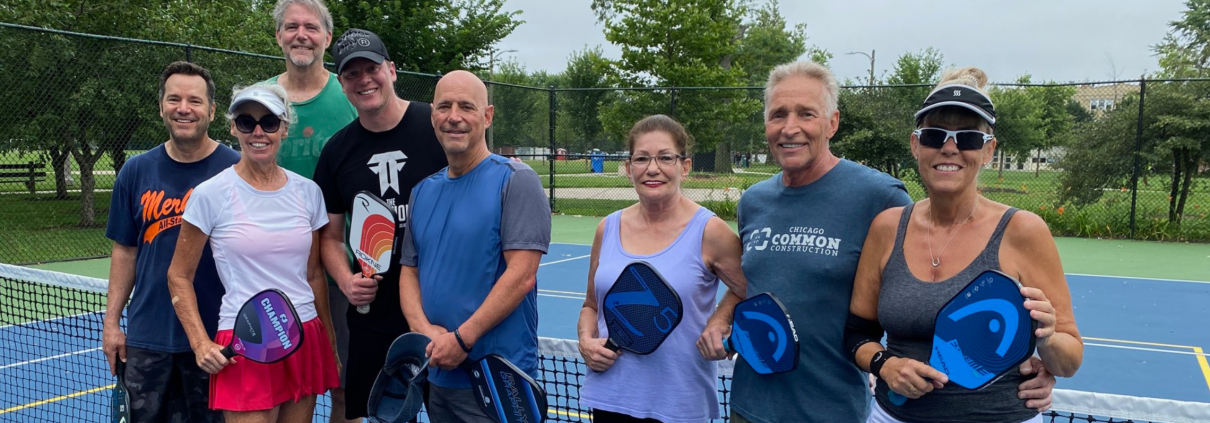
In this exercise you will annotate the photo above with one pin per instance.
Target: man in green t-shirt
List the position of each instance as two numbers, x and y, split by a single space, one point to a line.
304 32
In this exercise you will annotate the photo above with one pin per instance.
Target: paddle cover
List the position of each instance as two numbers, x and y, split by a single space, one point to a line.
983 331
372 233
763 334
641 309
120 401
505 392
267 328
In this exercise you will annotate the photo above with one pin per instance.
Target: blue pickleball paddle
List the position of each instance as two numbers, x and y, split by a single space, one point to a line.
640 309
763 334
981 333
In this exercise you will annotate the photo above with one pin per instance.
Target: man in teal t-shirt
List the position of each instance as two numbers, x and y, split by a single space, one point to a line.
304 32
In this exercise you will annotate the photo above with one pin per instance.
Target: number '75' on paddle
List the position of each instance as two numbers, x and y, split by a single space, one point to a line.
640 309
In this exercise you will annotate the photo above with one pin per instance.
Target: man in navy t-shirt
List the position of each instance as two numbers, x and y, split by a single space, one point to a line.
476 233
162 376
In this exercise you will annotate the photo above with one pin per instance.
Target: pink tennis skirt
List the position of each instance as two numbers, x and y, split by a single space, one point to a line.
250 386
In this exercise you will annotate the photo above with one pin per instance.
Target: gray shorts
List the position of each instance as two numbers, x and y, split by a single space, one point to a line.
449 405
338 306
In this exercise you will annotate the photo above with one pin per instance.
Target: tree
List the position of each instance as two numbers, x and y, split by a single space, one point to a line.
521 114
580 111
430 35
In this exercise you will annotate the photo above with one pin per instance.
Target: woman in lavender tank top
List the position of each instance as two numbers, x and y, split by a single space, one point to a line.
917 257
693 250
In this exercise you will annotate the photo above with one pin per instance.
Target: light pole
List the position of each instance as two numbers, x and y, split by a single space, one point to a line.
491 70
871 56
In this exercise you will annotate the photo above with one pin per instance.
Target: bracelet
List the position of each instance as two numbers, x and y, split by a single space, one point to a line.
462 344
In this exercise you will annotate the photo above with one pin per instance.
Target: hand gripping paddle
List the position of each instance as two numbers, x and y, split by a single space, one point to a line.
981 333
120 401
504 392
267 329
641 309
372 236
763 334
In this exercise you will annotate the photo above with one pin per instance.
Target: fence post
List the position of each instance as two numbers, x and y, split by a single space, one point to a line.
550 155
672 105
189 53
1138 151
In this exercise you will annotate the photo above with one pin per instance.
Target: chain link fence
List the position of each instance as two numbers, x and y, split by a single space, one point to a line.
1120 159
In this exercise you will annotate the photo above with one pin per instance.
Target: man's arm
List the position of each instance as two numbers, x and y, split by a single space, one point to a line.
519 278
121 284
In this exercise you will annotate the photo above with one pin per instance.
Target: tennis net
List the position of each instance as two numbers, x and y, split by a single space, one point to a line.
52 368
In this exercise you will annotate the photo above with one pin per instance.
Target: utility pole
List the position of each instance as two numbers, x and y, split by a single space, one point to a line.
871 57
491 70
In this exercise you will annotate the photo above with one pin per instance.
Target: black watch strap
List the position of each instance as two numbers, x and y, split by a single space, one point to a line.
878 361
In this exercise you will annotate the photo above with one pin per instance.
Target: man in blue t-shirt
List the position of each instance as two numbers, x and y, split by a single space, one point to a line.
477 230
149 196
803 230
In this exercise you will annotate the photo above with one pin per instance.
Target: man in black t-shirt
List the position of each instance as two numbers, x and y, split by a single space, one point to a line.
388 149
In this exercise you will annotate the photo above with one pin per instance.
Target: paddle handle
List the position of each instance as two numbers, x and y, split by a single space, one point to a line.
612 346
727 345
228 352
363 309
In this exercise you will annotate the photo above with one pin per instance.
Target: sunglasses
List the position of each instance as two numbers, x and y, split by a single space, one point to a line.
965 140
268 123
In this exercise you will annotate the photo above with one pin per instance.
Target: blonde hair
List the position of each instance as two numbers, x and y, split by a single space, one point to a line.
956 116
805 69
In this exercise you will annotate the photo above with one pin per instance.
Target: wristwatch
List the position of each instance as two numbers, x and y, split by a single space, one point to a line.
878 360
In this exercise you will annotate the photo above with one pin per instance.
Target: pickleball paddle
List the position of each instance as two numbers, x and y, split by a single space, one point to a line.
267 329
763 334
372 236
640 309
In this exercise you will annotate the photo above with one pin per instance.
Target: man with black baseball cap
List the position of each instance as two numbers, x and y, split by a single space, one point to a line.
385 151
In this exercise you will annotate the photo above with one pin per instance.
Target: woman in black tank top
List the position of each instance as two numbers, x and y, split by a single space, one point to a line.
916 258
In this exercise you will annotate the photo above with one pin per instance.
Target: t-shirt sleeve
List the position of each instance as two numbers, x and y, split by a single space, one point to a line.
897 196
407 246
121 227
204 205
325 176
525 218
319 213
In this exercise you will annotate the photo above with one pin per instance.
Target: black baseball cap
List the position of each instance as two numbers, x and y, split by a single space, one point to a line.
959 95
358 43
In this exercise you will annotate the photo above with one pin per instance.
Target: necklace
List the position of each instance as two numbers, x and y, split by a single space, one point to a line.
936 260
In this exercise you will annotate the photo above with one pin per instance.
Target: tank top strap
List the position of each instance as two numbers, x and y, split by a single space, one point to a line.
897 257
992 250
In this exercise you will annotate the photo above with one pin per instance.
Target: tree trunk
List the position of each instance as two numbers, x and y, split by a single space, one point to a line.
1190 168
1038 163
59 157
722 157
1001 175
117 153
87 159
1178 156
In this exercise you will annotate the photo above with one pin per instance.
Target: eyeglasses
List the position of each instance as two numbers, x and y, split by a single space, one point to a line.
664 160
965 140
268 123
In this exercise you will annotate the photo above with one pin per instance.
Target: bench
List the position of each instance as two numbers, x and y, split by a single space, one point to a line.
28 173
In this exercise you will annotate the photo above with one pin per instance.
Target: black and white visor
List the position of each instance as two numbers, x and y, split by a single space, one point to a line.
958 95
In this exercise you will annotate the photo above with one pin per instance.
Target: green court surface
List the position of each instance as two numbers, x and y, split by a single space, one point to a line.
1110 257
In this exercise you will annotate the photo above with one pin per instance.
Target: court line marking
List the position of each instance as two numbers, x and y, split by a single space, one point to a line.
1201 356
39 360
34 322
564 260
1201 361
1134 278
1123 341
55 399
1197 351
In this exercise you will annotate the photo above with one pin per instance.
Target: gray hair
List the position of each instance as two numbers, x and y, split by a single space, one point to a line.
807 69
315 6
289 118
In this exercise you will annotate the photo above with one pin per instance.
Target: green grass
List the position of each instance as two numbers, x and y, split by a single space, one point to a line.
39 229
24 302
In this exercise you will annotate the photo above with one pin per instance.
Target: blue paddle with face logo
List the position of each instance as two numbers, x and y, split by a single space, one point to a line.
267 329
640 310
982 333
763 334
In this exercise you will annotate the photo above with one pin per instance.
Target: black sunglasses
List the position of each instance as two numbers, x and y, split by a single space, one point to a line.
268 123
965 140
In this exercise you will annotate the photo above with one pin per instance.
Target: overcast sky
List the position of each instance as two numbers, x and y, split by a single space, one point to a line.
1061 40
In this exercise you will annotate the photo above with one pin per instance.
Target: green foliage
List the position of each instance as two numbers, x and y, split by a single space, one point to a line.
580 111
430 35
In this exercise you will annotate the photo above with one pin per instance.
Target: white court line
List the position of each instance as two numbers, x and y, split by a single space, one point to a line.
50 320
6 366
1146 349
581 294
562 296
1139 279
567 259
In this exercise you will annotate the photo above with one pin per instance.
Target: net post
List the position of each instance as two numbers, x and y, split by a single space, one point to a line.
1138 151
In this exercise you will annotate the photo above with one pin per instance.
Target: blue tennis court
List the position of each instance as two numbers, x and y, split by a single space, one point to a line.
1144 337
